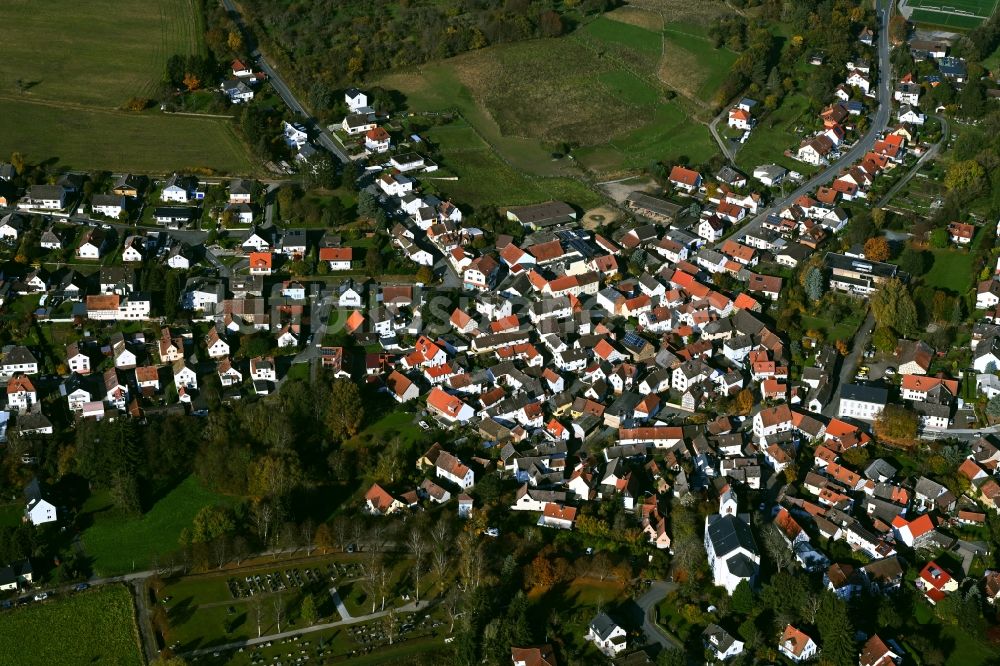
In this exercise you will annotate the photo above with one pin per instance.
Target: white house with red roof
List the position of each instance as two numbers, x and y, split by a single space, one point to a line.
449 407
935 582
685 179
557 515
796 645
909 531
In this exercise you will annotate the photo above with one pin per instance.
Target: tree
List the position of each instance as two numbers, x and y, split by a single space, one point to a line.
877 249
915 262
993 406
898 28
345 411
884 340
878 217
893 306
191 81
17 161
368 204
425 275
324 537
743 601
965 176
373 262
744 401
550 24
939 237
836 632
671 657
308 610
815 283
211 522
235 42
896 424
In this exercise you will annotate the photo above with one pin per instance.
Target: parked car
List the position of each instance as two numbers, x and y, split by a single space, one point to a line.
80 587
491 532
41 596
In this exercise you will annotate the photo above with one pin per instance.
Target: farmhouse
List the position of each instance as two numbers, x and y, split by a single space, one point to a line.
538 216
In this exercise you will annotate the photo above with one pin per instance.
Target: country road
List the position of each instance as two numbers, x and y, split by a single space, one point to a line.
323 136
860 148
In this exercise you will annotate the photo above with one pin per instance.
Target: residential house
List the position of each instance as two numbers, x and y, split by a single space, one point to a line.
609 637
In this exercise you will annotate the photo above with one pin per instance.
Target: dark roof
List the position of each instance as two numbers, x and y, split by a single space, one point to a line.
550 212
729 533
655 204
602 625
863 393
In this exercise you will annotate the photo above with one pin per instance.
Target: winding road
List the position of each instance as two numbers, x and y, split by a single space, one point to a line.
862 146
323 136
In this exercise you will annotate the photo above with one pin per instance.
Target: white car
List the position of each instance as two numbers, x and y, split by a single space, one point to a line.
492 532
41 596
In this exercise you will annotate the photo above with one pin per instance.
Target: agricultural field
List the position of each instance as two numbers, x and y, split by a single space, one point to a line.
61 87
59 49
959 14
598 91
120 544
690 64
97 626
80 138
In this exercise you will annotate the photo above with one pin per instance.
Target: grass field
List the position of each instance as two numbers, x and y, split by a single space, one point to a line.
775 134
97 626
98 53
83 138
69 66
120 544
691 64
960 14
596 90
952 270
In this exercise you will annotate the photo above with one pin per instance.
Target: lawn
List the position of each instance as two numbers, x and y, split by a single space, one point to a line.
120 544
575 604
780 131
484 178
393 423
62 49
842 330
954 21
952 270
97 626
115 140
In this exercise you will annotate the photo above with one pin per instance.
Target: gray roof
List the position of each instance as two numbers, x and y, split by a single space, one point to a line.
873 394
603 626
729 533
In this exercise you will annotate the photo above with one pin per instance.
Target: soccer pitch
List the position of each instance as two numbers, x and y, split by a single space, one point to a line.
960 14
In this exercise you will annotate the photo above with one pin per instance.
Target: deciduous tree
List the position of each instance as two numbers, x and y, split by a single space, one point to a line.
877 249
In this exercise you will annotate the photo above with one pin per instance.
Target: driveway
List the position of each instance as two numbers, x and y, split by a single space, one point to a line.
849 363
657 592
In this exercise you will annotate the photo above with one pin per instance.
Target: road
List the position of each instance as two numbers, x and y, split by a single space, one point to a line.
323 137
862 146
849 363
658 590
927 156
724 144
411 607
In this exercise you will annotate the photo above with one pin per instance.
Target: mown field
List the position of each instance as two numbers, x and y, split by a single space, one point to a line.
93 627
83 138
68 66
601 91
960 14
121 544
98 53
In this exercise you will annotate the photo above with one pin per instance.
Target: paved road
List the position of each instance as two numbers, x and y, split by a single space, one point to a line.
862 146
412 607
849 363
724 144
658 590
323 137
927 156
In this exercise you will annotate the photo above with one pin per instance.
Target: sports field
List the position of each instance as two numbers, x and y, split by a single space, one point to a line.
959 14
67 67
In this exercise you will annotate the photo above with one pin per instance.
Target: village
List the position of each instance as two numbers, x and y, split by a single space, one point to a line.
650 365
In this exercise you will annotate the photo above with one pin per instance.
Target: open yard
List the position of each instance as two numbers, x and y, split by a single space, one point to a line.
690 64
781 130
120 544
952 270
93 627
84 138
